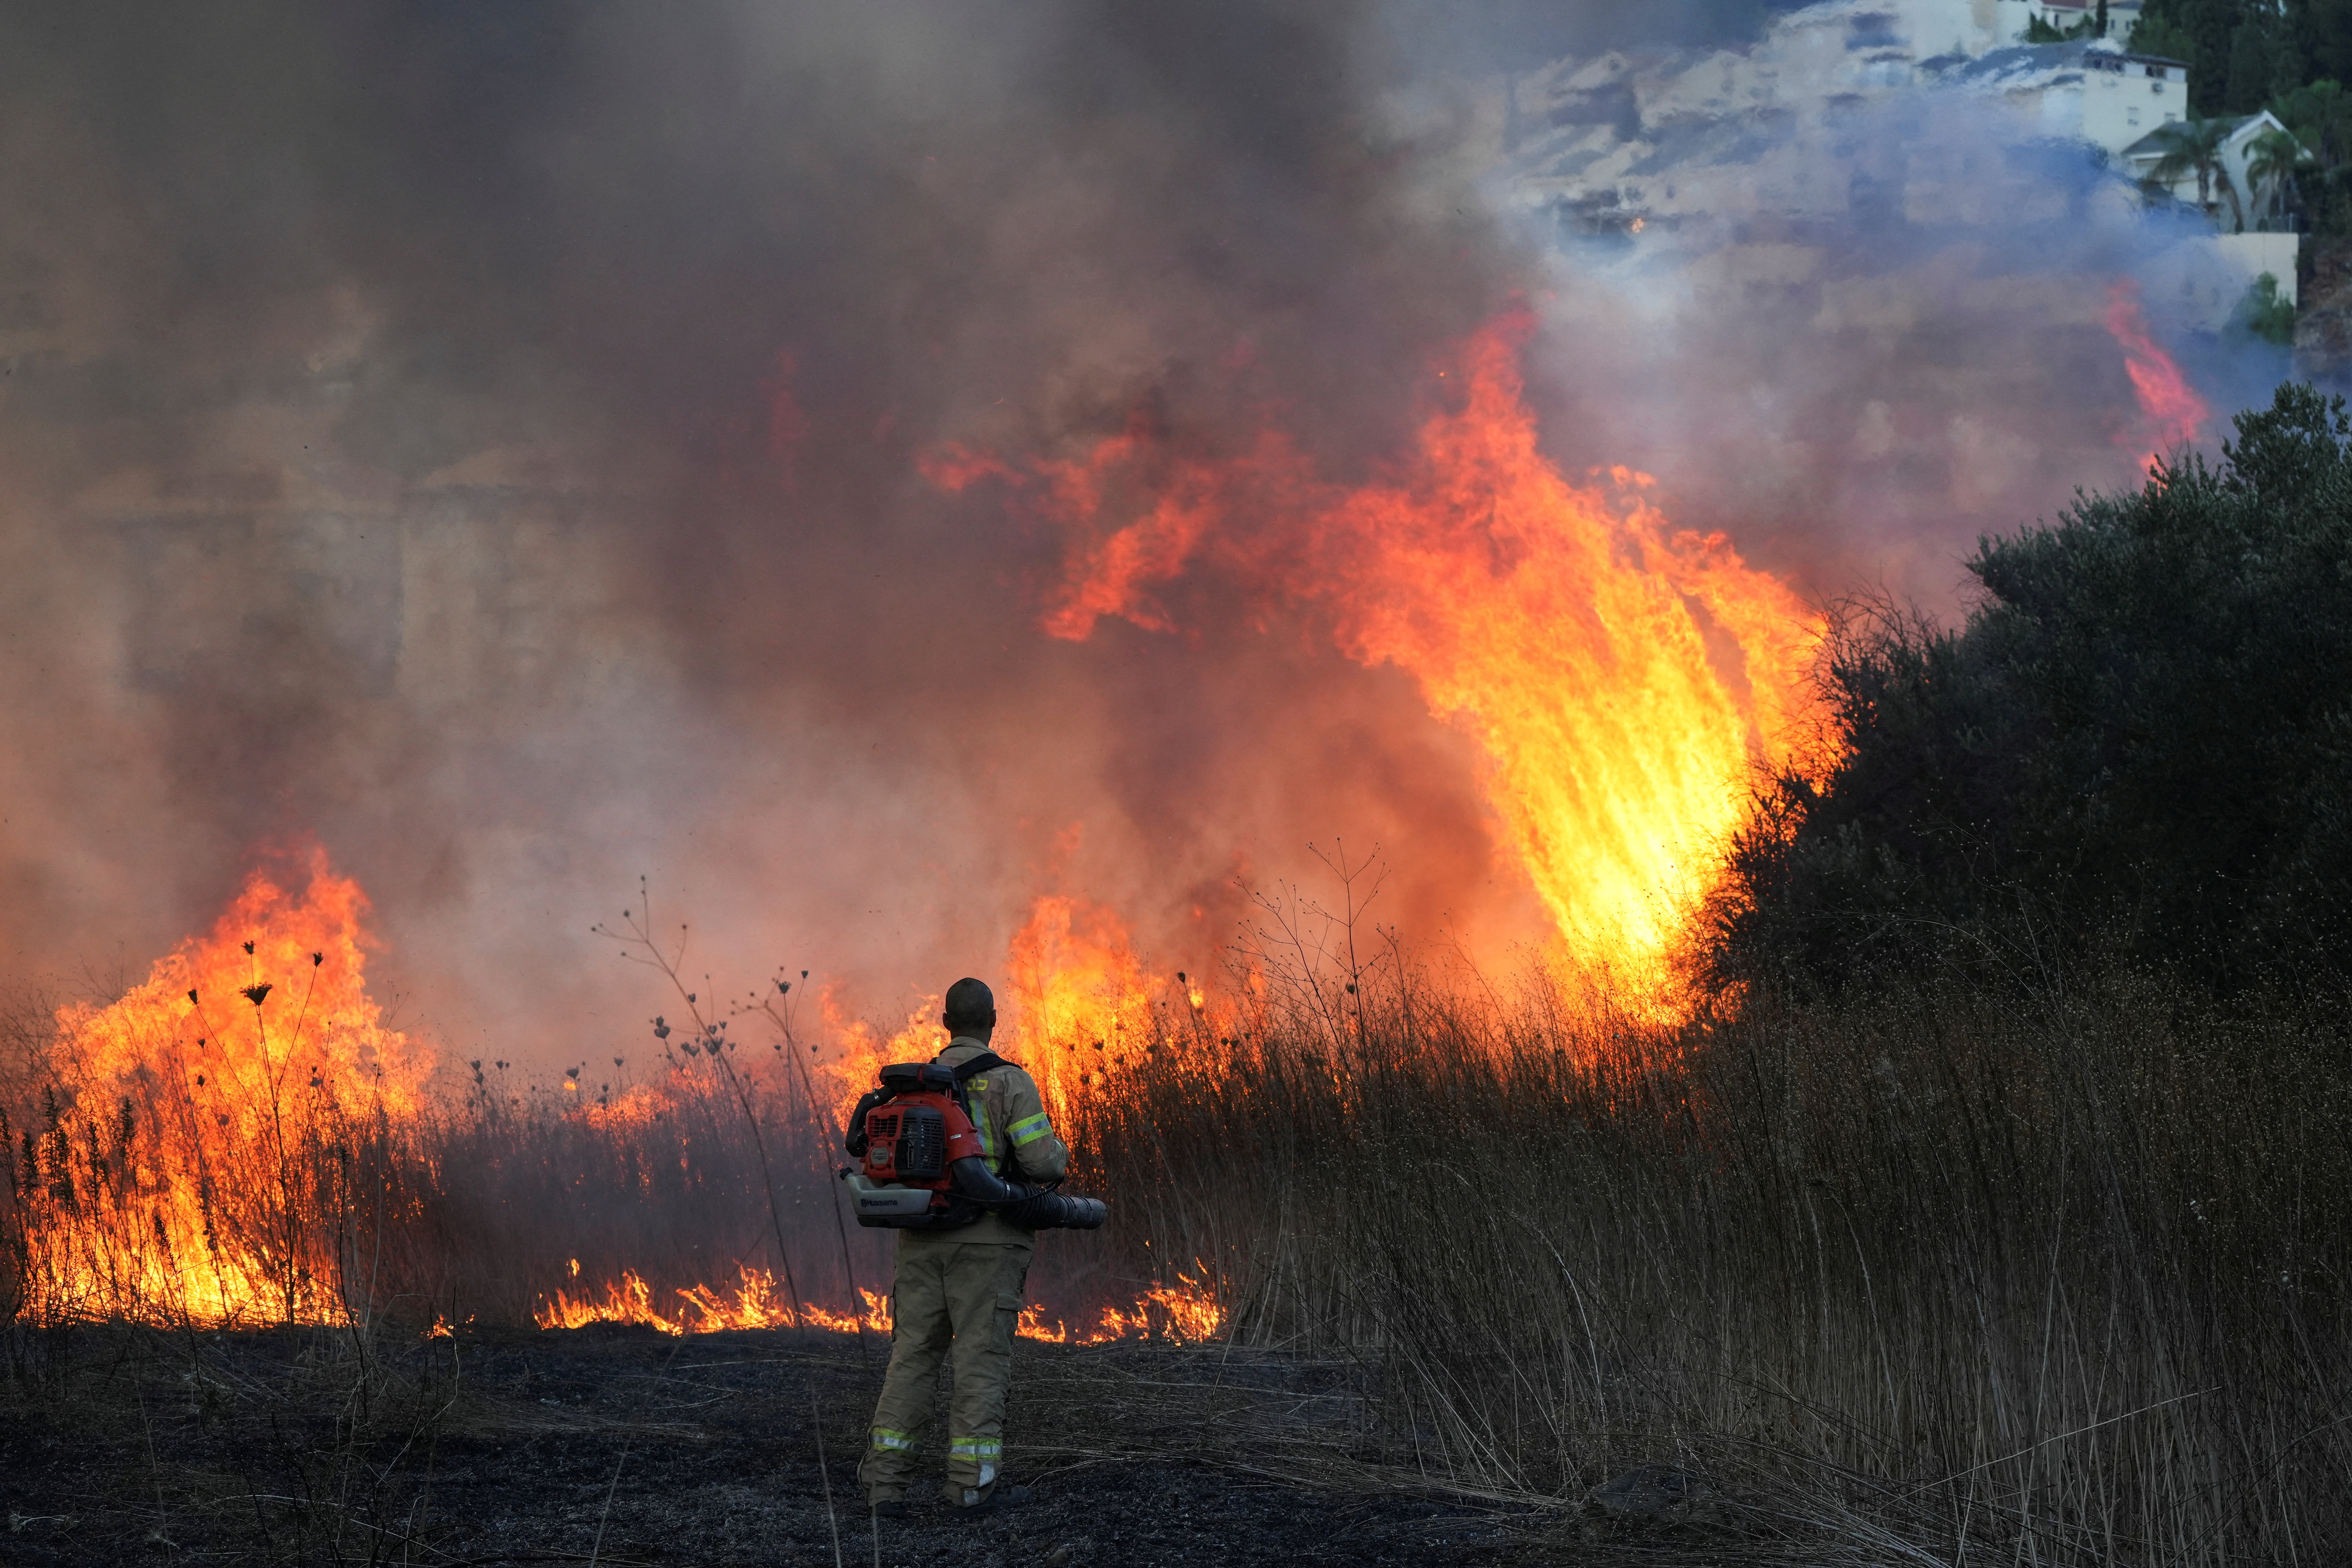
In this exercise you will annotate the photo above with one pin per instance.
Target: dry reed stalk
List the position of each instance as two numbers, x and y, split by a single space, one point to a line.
1954 1275
2061 1279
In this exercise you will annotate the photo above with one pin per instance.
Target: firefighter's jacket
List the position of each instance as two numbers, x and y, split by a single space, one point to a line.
1016 1138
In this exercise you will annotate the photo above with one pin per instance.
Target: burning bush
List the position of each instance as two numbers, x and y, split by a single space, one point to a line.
239 1141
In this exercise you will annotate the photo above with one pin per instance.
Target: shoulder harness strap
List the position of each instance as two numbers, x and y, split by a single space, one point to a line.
964 1073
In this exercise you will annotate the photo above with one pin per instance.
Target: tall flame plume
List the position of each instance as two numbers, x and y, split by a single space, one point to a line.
1620 675
2172 413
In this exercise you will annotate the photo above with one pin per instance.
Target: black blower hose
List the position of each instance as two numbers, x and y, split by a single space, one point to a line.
1031 1208
1057 1211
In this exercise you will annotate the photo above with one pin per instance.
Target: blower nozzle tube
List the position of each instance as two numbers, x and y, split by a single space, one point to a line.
1057 1211
1031 1208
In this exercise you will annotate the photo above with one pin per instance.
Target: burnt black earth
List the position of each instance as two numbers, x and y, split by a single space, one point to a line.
618 1445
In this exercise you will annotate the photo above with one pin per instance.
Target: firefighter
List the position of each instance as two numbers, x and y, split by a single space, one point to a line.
957 1292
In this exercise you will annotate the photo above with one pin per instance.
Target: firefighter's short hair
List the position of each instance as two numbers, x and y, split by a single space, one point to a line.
970 1005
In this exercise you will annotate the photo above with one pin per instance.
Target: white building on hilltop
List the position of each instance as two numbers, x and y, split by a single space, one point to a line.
1856 115
2255 238
2089 90
2011 17
1640 136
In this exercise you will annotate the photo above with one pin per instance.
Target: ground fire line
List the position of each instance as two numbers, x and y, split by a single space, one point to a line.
240 1140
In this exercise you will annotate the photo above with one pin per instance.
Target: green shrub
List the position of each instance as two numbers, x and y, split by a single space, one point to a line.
2141 740
2265 313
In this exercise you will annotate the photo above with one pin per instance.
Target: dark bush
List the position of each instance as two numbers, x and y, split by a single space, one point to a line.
2140 740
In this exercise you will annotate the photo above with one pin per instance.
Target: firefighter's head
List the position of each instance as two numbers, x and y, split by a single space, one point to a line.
971 1009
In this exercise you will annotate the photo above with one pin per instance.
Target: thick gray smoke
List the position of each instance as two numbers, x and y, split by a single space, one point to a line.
1853 302
485 440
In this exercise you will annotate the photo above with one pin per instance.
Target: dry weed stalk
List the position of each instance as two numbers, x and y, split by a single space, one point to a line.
1934 1276
1985 1276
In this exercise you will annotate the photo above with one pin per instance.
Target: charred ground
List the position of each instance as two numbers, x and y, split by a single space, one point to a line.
520 1447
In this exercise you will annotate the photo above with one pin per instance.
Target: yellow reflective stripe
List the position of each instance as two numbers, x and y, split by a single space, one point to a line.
1029 1128
887 1439
980 1117
976 1448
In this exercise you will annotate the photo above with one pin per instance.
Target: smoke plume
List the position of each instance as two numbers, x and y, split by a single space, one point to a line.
499 444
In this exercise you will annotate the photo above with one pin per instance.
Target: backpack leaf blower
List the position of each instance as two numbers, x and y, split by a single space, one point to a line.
923 1167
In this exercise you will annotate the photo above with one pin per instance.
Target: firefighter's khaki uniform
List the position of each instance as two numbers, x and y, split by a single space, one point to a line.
960 1291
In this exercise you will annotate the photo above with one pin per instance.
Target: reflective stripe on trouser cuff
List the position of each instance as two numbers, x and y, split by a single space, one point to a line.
1028 1130
888 1441
989 1450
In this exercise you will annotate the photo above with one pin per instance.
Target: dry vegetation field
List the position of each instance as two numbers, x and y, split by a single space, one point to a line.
1945 1276
1938 1275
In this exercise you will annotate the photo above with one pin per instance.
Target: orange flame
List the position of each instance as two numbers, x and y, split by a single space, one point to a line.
754 1303
1185 1313
859 1051
205 1156
1083 996
2173 413
1620 675
1186 1310
217 1082
874 1316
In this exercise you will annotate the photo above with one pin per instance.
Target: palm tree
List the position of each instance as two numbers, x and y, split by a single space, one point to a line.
2271 162
2193 146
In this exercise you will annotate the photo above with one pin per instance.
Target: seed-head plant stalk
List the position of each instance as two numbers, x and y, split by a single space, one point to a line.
638 945
779 1009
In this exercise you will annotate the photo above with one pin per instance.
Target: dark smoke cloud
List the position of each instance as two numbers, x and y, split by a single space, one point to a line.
485 438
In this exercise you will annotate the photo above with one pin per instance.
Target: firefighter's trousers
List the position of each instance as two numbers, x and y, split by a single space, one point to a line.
963 1297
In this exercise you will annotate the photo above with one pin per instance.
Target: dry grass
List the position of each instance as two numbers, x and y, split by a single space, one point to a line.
1944 1277
1948 1277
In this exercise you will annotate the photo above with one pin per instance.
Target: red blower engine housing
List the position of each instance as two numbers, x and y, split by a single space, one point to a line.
923 1165
917 1134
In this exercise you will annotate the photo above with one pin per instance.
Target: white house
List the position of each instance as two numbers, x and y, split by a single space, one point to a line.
2087 90
2011 16
2235 202
1649 141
